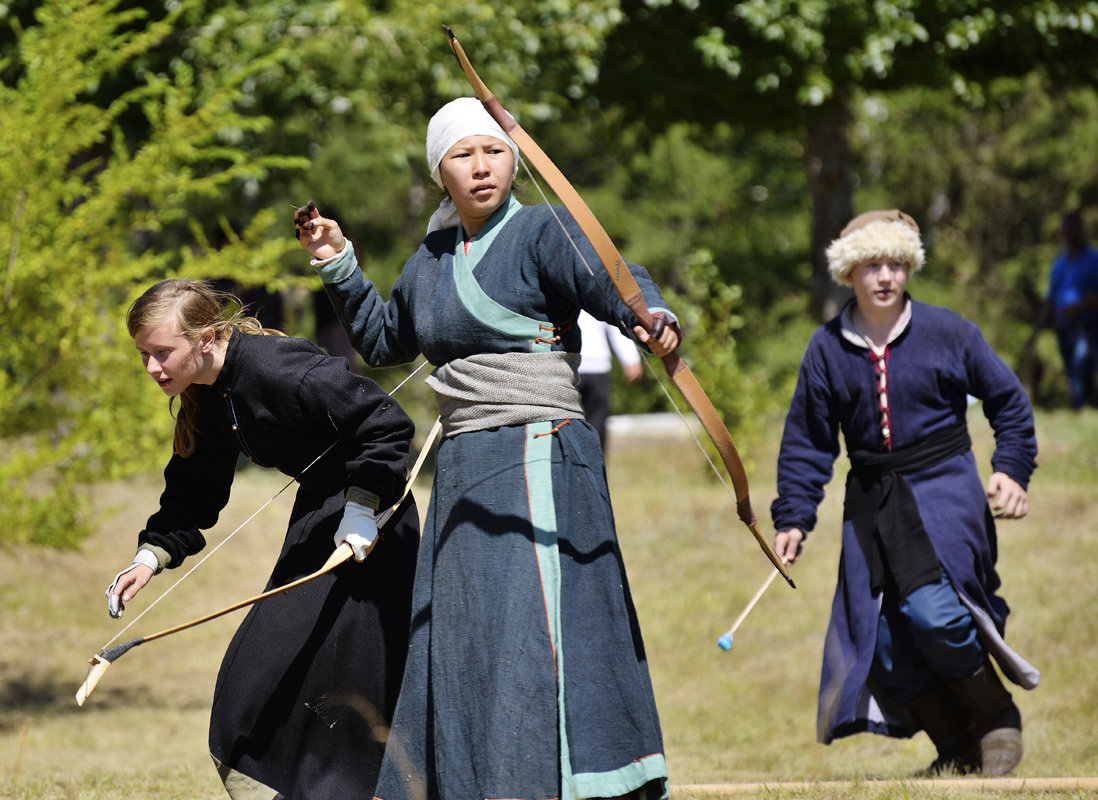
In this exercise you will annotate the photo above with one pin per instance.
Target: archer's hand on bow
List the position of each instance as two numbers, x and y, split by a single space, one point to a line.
129 582
664 337
319 235
358 528
788 544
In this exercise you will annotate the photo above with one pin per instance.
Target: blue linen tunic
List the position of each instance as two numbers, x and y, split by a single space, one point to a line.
934 365
527 676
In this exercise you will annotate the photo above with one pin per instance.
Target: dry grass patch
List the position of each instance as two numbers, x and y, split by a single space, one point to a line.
741 723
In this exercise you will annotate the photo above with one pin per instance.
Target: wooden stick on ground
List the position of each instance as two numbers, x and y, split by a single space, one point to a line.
975 783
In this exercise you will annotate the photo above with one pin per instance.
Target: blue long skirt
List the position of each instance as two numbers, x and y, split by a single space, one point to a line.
526 674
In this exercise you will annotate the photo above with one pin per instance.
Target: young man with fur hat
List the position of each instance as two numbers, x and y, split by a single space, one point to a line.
916 622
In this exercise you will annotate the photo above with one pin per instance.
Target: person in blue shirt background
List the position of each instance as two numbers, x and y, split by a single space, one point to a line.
1071 307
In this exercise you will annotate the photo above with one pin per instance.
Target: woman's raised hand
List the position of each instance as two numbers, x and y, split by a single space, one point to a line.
319 235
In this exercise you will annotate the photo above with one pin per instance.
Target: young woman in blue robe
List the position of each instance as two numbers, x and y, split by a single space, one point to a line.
916 618
527 676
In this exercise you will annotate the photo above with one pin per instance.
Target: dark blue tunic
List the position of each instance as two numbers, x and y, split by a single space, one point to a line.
527 675
934 366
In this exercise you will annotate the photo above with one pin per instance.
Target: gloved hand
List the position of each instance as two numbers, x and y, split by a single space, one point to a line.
358 528
664 337
143 558
660 321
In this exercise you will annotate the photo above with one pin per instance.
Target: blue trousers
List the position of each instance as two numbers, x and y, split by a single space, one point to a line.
1077 349
924 638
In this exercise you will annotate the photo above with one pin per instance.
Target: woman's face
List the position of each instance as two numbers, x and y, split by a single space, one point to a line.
170 358
477 173
879 283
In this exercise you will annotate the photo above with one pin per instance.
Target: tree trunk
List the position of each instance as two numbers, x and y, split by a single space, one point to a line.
831 180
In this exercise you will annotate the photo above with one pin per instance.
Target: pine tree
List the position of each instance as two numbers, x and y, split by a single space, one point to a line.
83 199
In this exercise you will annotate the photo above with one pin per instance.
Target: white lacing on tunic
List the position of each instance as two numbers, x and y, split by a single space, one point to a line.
878 356
880 368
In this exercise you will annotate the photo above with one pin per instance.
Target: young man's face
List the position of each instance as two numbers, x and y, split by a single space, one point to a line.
879 283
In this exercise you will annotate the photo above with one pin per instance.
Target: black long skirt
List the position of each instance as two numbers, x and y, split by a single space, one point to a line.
308 686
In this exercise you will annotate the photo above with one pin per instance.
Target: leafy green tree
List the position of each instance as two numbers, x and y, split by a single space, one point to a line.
141 138
358 82
715 239
990 184
801 65
82 213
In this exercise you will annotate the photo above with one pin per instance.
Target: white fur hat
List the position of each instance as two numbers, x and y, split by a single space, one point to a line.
875 234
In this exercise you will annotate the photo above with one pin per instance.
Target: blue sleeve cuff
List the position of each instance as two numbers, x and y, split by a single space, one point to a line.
667 311
339 267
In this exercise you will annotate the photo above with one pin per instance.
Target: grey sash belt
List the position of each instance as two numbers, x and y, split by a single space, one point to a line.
492 390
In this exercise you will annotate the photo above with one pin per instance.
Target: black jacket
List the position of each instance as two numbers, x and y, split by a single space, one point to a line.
281 401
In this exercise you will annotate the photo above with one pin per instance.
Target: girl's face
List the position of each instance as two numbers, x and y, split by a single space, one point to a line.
170 358
879 283
477 173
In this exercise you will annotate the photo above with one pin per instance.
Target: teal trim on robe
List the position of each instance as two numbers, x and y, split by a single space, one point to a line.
527 676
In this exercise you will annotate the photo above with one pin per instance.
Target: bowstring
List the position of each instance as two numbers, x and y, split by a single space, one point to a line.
647 361
253 515
217 547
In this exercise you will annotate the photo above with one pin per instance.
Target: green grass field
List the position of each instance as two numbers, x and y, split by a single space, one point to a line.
738 723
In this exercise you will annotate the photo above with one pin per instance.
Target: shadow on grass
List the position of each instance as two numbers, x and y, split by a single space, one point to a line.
33 694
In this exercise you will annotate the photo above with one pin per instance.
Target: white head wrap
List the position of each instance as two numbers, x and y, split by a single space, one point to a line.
453 122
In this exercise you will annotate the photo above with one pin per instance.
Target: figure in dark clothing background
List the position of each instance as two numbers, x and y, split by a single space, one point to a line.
1071 308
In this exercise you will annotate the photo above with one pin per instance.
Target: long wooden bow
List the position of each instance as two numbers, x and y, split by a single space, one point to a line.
100 662
630 293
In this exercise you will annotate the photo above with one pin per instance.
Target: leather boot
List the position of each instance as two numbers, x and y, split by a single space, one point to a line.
997 719
951 731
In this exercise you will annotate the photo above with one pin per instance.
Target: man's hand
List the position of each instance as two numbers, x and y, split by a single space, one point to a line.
1008 500
788 544
664 337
